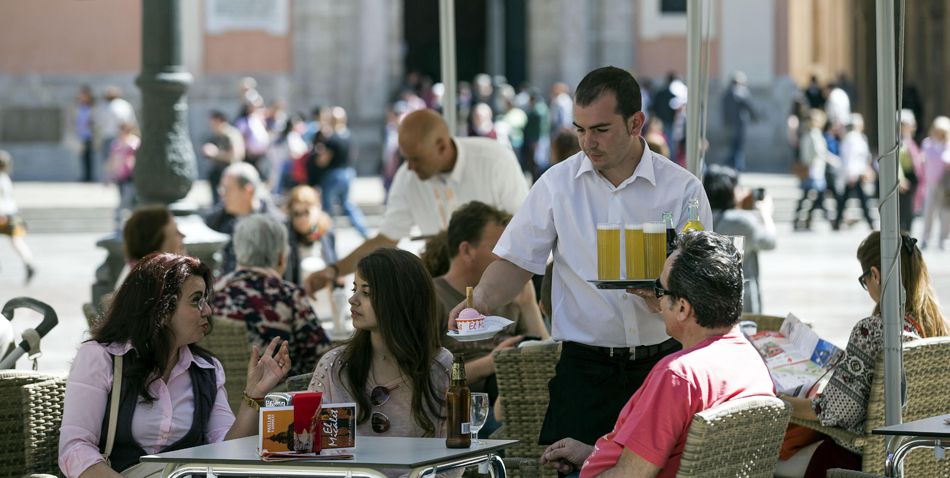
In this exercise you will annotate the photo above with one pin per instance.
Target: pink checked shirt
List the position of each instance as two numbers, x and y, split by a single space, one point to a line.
155 425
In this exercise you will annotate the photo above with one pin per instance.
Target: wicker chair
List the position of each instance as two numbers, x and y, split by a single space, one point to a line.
91 314
298 383
229 342
42 406
737 438
13 434
928 394
523 375
839 473
765 322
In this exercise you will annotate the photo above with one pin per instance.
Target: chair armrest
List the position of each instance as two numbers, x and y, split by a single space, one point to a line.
838 434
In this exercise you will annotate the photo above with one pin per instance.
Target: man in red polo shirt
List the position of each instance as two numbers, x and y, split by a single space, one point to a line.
699 296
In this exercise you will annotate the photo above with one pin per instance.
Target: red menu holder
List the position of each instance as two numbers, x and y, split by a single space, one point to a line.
307 422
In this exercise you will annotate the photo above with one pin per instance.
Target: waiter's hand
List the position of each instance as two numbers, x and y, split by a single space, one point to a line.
454 313
649 298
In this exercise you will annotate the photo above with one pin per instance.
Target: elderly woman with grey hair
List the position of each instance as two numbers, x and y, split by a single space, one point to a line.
257 294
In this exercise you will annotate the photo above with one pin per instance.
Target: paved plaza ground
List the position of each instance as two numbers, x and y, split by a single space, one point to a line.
812 274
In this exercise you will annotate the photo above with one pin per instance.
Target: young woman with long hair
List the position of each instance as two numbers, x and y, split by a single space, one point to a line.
393 367
844 401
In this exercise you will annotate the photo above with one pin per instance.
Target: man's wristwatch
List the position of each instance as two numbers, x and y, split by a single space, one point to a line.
336 270
254 403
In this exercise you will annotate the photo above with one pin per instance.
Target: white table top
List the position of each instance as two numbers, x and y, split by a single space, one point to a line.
370 452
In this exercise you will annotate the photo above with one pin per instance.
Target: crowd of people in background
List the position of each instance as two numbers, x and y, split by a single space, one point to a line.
488 198
834 162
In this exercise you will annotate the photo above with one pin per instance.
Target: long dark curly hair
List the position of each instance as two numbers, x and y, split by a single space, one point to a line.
403 298
140 313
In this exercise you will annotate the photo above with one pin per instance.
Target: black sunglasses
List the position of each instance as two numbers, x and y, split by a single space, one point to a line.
863 279
378 420
659 291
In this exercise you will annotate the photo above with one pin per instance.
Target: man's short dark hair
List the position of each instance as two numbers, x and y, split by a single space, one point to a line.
616 80
218 116
720 185
468 223
708 273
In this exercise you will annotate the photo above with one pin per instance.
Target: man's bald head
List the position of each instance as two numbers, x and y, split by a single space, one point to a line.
425 143
422 125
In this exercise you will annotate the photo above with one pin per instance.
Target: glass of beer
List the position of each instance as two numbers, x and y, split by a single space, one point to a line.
654 246
636 260
608 251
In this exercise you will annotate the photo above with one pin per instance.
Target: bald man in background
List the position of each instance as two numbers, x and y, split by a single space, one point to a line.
440 173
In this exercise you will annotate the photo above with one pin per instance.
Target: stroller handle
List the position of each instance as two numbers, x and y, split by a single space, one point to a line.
49 315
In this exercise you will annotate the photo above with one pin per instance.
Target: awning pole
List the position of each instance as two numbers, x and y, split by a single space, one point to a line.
447 55
694 17
890 232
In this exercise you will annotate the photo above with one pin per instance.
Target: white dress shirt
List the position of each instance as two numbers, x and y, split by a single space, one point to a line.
561 214
485 171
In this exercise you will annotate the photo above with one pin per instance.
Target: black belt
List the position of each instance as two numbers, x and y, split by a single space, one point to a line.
639 352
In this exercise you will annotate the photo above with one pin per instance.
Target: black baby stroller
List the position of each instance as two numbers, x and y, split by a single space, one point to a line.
10 352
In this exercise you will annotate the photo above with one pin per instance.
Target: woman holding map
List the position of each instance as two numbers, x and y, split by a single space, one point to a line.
844 401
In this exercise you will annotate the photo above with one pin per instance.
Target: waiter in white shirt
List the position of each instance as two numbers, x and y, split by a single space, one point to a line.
441 173
611 340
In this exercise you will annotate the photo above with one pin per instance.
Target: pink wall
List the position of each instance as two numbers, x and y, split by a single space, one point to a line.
655 58
246 52
70 37
67 37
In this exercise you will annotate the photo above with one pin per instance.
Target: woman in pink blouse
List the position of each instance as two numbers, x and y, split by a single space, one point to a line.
172 393
393 367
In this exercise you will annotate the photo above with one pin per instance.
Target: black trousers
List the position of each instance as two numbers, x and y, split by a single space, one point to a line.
588 391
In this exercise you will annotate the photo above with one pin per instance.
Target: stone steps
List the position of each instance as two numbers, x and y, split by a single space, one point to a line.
89 208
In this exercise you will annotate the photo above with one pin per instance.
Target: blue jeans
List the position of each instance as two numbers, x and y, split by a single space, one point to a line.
336 190
735 158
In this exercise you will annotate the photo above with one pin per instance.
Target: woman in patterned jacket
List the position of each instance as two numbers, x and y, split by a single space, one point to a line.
844 401
257 294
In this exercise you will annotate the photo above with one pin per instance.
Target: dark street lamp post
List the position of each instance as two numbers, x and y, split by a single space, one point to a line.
165 167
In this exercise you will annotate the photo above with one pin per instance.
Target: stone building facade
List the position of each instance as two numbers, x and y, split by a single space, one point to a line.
353 54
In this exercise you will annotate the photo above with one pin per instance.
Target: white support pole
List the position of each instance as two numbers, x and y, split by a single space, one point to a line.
447 55
890 232
694 17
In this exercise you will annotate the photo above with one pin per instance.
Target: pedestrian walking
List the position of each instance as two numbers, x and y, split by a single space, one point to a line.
11 224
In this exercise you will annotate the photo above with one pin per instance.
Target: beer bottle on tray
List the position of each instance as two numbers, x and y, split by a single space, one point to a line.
458 408
670 233
693 223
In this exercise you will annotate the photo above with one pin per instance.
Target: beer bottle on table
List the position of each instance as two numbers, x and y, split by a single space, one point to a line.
692 212
670 233
458 408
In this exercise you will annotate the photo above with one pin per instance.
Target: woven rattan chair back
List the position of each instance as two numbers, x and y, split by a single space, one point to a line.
43 413
298 383
12 431
229 342
523 375
928 394
738 438
765 322
91 315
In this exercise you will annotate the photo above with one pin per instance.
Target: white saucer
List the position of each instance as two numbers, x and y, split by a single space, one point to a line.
493 325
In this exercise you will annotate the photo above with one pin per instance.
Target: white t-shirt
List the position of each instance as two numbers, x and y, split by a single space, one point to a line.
7 204
561 214
113 114
485 171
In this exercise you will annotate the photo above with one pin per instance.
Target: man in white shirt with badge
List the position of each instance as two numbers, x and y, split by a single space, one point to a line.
611 339
440 174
